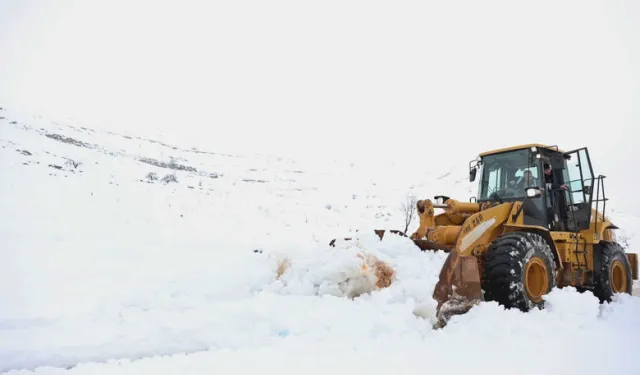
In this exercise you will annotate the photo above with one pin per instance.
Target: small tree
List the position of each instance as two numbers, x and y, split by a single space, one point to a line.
408 209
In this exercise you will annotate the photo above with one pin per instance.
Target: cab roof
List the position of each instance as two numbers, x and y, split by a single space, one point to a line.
520 147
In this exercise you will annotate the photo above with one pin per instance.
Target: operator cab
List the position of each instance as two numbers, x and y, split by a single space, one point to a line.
517 174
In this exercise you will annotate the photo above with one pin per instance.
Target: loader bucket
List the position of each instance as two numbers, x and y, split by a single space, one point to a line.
458 288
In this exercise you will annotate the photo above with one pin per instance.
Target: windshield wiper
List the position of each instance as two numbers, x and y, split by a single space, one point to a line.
496 197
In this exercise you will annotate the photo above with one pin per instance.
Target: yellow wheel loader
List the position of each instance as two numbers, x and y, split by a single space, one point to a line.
537 223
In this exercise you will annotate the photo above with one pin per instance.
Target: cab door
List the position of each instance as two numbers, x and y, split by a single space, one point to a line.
578 176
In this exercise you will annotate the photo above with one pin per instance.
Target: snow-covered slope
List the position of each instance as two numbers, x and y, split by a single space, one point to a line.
112 266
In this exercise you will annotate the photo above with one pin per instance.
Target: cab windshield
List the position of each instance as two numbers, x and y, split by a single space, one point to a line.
508 174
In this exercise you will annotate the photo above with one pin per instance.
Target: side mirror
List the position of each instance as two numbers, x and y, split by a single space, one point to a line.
472 174
533 192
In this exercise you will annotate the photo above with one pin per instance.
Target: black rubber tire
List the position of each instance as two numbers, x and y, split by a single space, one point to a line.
505 260
610 251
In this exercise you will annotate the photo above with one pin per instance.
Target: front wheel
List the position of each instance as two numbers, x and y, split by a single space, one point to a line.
519 269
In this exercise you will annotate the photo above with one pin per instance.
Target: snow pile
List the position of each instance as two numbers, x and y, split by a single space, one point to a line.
570 306
347 273
356 267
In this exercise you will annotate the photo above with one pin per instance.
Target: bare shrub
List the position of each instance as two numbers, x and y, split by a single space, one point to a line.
408 209
73 163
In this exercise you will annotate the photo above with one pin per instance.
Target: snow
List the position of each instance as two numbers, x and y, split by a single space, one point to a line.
106 272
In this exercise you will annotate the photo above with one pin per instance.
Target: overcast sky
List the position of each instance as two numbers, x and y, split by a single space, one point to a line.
419 81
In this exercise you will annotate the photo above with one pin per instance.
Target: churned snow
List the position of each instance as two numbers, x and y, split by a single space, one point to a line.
228 270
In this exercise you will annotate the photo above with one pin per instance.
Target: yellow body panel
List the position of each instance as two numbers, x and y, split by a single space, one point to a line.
445 234
455 214
482 228
633 262
603 233
520 147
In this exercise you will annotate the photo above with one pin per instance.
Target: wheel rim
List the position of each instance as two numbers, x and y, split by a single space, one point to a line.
618 277
535 281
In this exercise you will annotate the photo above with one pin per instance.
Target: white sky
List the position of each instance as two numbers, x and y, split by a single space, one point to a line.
418 81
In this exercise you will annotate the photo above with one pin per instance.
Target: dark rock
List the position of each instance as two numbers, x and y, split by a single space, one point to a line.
170 165
63 139
169 178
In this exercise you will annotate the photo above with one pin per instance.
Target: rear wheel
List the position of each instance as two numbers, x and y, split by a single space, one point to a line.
519 269
614 275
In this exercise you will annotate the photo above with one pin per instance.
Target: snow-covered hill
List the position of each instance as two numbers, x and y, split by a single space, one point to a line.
121 254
